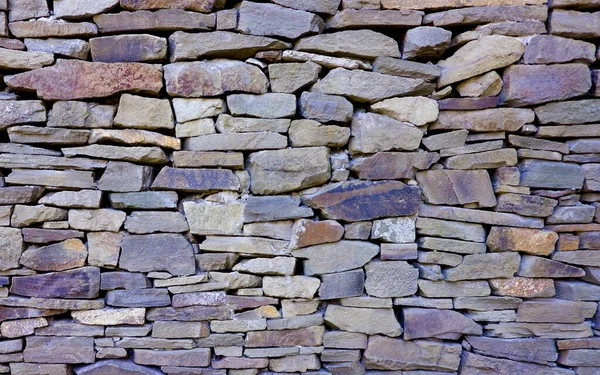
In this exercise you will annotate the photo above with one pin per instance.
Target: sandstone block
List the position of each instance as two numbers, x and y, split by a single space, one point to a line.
325 108
391 279
145 253
440 324
274 20
380 321
352 43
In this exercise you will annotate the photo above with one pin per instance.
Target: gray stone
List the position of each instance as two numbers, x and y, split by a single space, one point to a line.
11 241
274 20
325 108
207 217
370 134
115 366
555 311
416 110
75 48
571 112
485 85
573 24
440 324
175 330
425 43
229 124
274 172
485 266
145 253
550 49
336 257
381 321
342 285
124 48
397 230
52 136
21 112
147 200
391 279
138 298
97 220
352 43
73 114
236 142
199 357
477 216
572 215
271 105
392 165
484 120
577 291
283 266
137 177
291 77
45 28
541 351
195 180
307 133
532 266
143 222
474 15
351 18
123 280
110 316
315 6
526 205
273 208
73 199
23 216
404 68
160 20
541 174
369 87
450 245
450 229
149 155
457 187
80 9
194 109
20 194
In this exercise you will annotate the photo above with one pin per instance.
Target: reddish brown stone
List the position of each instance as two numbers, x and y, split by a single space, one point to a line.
307 232
361 200
311 336
10 313
160 20
123 48
70 79
529 241
79 283
196 5
60 256
535 84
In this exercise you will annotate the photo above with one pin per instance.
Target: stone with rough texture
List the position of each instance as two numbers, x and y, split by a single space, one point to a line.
416 110
307 232
270 105
342 285
480 56
391 279
336 257
394 354
110 316
59 350
61 256
541 351
392 165
74 114
572 24
526 205
370 134
350 18
555 311
78 283
306 133
526 85
371 322
275 172
71 79
212 78
485 266
529 241
488 84
145 113
75 48
457 187
440 324
369 87
476 364
204 6
97 220
145 253
128 48
205 217
11 242
324 108
195 180
13 112
550 49
274 20
405 68
485 120
475 15
290 286
532 266
425 43
115 366
291 77
138 177
22 60
142 222
44 28
541 174
162 19
352 43
72 9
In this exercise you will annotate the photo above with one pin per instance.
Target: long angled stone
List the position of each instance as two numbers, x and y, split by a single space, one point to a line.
204 6
541 351
486 14
160 20
476 364
78 283
543 330
245 245
336 257
493 119
195 180
72 79
480 217
350 43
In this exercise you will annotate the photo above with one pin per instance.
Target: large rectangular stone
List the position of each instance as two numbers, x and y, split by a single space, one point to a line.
162 20
553 175
480 217
59 350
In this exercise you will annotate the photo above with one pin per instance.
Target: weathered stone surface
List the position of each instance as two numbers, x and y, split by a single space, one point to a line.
353 43
485 120
147 200
576 291
65 255
174 330
276 266
540 174
73 114
440 324
45 28
115 366
568 81
532 266
145 113
483 160
572 24
15 112
142 222
194 109
291 77
476 216
274 172
475 364
391 279
488 84
457 187
480 56
392 165
311 336
350 18
272 208
261 140
555 311
75 48
568 131
39 135
110 316
23 216
245 245
195 180
145 253
79 9
307 232
336 257
324 108
71 79
134 138
20 194
199 357
369 87
571 112
163 20
97 220
342 285
138 177
485 266
270 105
370 134
204 6
529 241
306 133
405 68
380 321
290 286
128 48
394 354
205 217
73 199
78 283
550 49
416 110
274 20
211 78
541 351
123 280
138 298
526 205
11 242
59 350
425 43
486 14
24 60
355 200
450 229
186 46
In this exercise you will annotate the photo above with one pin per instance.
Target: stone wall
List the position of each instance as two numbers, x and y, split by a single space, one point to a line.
384 187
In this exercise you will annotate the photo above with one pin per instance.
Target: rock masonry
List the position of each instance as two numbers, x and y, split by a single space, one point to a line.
342 187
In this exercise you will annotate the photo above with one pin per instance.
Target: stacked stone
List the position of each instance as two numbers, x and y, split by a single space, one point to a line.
207 187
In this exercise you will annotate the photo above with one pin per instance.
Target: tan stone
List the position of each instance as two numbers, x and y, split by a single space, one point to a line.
489 84
529 241
45 28
437 4
485 120
291 286
160 20
416 110
351 43
145 113
351 18
134 138
110 316
369 321
457 187
204 6
205 217
307 133
24 60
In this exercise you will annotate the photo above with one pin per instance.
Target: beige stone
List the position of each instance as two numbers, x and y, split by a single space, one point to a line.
369 321
212 218
291 286
416 110
110 316
488 84
145 113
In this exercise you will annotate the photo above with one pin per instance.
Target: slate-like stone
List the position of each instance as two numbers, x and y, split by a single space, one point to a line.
385 353
195 180
104 219
311 336
457 187
526 205
356 200
450 229
123 280
307 133
325 108
270 105
128 48
475 364
550 49
73 199
571 112
59 350
24 60
493 12
78 283
405 68
369 321
162 20
154 297
555 311
199 357
114 366
61 256
205 217
145 253
351 43
187 46
485 85
274 20
336 257
281 171
480 56
252 141
21 112
273 208
23 215
291 286
425 43
11 242
204 6
541 174
532 266
110 316
147 200
342 285
485 266
541 351
485 120
45 28
245 245
391 279
478 216
291 77
530 84
576 291
416 110
351 18
573 24
392 165
439 324
369 87
71 79
283 266
212 78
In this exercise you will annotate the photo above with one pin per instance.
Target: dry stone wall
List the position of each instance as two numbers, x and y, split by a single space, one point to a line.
342 187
